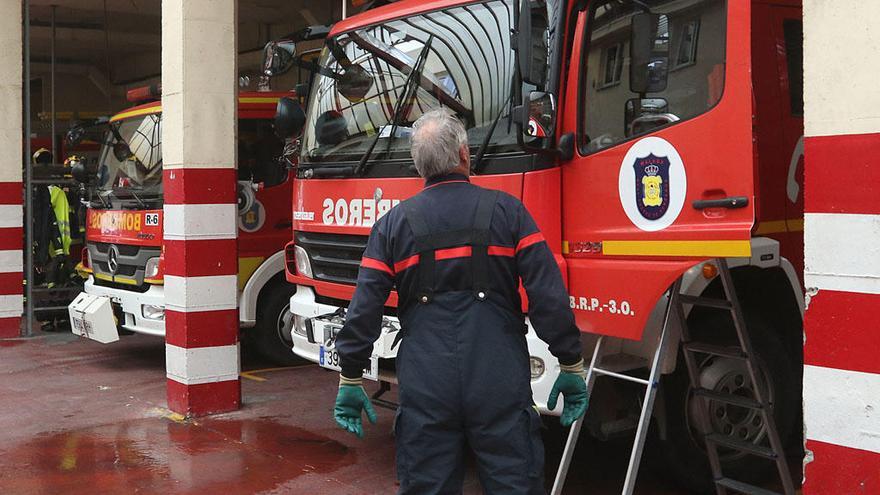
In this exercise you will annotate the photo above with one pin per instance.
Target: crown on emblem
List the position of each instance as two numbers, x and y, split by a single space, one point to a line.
652 170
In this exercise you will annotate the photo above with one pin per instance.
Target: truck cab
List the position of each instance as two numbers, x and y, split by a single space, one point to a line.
124 243
648 139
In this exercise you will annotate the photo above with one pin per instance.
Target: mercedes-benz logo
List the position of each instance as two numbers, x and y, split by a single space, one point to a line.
112 259
377 194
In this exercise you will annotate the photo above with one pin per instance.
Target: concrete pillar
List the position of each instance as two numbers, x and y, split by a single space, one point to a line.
842 247
199 104
11 191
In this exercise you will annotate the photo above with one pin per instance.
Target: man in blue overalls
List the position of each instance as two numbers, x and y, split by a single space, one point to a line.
456 253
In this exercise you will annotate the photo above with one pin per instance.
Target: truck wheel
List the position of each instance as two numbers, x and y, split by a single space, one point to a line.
682 455
271 334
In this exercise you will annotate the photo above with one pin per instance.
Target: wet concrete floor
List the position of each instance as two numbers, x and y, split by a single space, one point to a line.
77 417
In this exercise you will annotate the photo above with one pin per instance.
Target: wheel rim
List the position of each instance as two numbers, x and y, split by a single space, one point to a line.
284 325
729 376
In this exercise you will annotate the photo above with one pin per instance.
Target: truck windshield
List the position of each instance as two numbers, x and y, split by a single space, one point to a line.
468 68
131 158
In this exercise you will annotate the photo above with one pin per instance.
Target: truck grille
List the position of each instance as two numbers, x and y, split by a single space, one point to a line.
131 262
334 257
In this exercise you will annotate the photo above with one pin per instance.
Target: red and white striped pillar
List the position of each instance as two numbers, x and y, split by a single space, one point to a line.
199 105
11 191
842 247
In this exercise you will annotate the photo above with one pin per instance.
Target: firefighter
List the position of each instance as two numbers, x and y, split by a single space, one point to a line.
456 253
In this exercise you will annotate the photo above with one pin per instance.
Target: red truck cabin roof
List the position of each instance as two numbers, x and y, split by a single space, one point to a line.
393 11
251 105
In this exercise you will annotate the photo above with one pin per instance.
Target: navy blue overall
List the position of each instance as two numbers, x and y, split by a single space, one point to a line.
456 253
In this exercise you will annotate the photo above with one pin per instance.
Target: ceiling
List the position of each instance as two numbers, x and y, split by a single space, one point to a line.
120 40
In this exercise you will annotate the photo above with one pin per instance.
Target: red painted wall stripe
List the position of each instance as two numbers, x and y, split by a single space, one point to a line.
201 258
199 186
201 328
11 238
841 329
842 173
10 327
11 193
204 398
841 470
10 283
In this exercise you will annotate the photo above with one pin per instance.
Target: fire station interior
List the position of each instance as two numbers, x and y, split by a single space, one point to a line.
221 401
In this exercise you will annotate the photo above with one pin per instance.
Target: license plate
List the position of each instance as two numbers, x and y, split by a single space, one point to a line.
328 357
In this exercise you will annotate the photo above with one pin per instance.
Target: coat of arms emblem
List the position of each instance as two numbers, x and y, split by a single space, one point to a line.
652 186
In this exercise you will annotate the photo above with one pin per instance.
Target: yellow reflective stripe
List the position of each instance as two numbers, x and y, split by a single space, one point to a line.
246 267
258 99
712 249
780 226
155 281
119 280
135 113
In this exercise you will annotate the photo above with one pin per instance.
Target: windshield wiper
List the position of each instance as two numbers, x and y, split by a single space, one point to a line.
476 166
138 199
414 75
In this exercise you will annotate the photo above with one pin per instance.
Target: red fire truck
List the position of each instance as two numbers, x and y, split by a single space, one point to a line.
123 254
649 139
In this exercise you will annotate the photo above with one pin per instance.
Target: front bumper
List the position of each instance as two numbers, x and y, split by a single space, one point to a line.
307 346
132 304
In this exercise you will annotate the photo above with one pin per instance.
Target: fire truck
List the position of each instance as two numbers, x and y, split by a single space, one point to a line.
653 141
124 254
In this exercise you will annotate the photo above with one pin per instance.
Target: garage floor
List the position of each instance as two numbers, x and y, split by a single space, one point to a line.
80 417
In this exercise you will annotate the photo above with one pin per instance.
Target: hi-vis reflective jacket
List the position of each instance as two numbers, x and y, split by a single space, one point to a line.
453 247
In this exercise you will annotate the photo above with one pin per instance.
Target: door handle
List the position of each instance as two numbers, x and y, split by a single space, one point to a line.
731 202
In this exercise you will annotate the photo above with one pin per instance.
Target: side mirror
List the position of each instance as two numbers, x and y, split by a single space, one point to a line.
82 171
121 151
75 134
278 57
649 53
354 83
289 118
532 42
540 114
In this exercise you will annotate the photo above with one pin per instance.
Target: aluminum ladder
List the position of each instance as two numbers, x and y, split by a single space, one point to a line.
690 349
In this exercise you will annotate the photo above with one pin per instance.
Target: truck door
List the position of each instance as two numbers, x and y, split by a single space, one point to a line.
660 103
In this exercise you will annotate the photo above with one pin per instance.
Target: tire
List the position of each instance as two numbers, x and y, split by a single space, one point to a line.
270 337
682 456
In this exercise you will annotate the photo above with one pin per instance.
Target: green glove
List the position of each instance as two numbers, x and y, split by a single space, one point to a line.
571 384
350 401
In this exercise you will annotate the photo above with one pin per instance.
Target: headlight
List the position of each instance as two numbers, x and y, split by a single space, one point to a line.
537 367
153 312
152 268
299 325
303 265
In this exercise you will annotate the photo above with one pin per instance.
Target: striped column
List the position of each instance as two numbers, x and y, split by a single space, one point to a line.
842 247
199 105
11 191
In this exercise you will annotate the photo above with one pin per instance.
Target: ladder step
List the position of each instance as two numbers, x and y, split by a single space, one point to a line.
731 399
741 487
715 350
705 301
732 443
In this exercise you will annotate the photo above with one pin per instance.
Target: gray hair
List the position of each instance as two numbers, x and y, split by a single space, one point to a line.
437 137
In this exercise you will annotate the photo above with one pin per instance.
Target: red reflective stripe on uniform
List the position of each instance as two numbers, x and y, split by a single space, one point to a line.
529 240
406 263
449 253
376 265
452 253
501 251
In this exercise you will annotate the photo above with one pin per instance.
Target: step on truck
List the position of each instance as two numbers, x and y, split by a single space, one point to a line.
123 256
649 139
